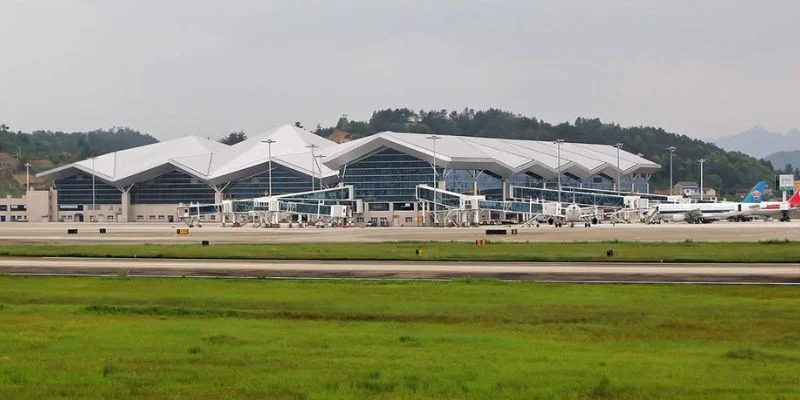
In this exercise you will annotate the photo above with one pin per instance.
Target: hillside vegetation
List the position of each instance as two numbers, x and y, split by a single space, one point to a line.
728 172
46 149
60 147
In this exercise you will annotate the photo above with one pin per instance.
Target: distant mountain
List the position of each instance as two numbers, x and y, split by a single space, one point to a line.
780 159
759 142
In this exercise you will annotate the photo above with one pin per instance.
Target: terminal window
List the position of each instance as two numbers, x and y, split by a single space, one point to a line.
284 180
171 188
388 175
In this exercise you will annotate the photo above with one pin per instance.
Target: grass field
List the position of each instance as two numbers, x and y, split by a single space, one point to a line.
186 338
768 251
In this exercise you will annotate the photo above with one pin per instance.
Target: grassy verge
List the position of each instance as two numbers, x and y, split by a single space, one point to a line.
190 338
770 251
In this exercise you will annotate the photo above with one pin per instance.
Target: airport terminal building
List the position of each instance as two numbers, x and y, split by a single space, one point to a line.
382 171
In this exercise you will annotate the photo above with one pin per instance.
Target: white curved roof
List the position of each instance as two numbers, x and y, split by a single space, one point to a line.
205 159
290 150
218 163
504 157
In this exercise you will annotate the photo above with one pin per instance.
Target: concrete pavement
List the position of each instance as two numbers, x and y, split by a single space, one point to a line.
555 271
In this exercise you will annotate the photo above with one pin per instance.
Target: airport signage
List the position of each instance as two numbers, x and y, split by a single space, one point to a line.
786 182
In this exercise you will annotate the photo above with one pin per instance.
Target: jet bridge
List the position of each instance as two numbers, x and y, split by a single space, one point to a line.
581 198
458 209
334 204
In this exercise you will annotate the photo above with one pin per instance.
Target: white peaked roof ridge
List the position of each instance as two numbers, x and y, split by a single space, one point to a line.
505 157
205 159
290 149
217 163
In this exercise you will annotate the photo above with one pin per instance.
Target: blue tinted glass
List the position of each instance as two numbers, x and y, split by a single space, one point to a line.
77 189
172 188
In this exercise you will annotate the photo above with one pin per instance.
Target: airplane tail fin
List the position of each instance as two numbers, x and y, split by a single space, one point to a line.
756 194
794 201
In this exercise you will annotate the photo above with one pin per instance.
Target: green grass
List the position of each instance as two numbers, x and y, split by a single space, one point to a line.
768 251
186 338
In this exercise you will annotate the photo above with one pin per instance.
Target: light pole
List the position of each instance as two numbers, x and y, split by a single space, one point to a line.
671 150
313 160
633 189
94 206
435 174
27 177
701 161
269 143
558 143
318 158
618 145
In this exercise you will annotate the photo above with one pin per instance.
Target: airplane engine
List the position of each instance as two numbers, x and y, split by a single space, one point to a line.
550 221
679 218
594 221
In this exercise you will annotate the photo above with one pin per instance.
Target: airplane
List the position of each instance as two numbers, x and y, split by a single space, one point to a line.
695 213
572 214
749 207
779 209
756 193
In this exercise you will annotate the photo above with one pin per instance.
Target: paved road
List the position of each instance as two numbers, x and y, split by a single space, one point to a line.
579 272
166 233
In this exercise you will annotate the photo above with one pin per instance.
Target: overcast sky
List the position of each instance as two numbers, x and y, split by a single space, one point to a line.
172 68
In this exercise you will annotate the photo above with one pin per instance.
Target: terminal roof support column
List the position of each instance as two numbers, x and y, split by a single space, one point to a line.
219 195
125 203
475 175
647 180
633 179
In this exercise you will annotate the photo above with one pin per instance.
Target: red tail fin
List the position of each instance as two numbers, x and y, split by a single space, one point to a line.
794 201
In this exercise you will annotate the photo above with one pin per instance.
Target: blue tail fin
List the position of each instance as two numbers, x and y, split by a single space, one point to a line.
756 194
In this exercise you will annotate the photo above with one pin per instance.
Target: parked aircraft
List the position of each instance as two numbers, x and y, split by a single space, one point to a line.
777 209
751 206
571 215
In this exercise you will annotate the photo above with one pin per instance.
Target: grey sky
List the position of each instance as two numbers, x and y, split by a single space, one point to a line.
172 68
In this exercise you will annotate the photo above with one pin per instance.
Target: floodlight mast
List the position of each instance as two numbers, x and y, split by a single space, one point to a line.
434 138
618 145
269 143
558 143
313 160
671 150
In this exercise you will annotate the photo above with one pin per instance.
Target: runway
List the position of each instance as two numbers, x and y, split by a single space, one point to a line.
544 272
88 233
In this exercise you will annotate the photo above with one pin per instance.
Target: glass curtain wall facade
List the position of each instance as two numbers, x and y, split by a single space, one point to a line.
387 175
77 190
172 188
460 181
284 181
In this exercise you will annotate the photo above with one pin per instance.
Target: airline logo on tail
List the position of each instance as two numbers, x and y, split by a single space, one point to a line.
794 201
756 194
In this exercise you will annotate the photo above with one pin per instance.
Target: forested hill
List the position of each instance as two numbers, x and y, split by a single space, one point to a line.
61 147
728 172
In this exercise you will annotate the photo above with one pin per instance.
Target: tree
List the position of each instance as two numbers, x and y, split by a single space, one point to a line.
233 138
